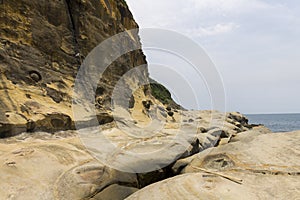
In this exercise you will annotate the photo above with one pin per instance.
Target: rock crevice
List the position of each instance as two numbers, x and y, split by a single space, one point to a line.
73 28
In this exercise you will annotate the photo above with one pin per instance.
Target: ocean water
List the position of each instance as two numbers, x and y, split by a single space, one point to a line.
276 122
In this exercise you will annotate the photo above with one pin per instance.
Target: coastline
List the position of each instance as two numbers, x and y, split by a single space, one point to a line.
237 150
283 122
61 137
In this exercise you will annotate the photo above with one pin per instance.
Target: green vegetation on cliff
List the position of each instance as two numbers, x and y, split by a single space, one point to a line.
162 94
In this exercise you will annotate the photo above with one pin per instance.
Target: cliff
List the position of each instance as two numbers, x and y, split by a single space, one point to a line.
42 46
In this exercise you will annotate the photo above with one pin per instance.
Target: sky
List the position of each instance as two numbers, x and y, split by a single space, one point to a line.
254 44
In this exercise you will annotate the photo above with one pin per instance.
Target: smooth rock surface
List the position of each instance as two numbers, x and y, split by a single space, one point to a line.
201 186
266 165
58 166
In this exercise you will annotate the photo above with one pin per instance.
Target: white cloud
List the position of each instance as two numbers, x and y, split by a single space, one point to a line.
212 30
232 6
253 43
197 17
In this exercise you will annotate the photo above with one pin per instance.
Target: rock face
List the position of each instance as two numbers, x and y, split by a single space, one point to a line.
57 166
255 165
42 45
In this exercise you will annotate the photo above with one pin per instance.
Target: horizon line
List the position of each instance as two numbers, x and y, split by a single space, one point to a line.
275 113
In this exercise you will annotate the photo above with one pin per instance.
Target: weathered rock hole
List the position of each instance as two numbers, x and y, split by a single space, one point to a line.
35 75
30 126
202 130
57 123
224 134
104 119
61 85
99 103
100 91
131 102
191 120
218 161
55 95
168 108
147 104
170 113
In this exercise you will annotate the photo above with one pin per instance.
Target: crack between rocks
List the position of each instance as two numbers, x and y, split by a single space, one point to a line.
127 184
269 172
275 172
73 29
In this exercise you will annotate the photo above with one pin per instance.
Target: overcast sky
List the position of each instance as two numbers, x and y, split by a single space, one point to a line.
255 45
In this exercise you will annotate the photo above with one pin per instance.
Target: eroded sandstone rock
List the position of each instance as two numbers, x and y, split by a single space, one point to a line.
255 165
42 46
40 165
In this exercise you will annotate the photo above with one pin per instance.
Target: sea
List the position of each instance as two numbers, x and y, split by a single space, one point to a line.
276 122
